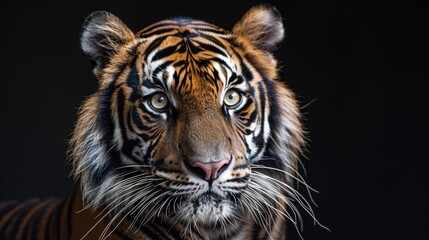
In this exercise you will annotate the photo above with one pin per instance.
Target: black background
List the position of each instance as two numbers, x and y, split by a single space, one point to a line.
357 67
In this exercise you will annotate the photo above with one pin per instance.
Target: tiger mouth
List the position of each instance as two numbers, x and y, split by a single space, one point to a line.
208 198
207 209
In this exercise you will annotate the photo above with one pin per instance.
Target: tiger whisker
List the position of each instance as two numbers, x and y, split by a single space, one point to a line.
143 205
117 185
297 196
98 222
114 204
297 178
252 205
136 197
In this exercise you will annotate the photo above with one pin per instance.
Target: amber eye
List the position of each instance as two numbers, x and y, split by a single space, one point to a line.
159 101
232 98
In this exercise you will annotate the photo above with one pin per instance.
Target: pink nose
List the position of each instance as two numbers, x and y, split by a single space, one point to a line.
211 170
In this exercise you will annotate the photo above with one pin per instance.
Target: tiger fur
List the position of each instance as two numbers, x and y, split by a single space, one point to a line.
190 135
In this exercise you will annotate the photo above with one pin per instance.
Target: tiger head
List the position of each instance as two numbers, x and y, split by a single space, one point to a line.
190 122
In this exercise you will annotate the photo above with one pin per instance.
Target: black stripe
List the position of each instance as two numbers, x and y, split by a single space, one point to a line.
8 206
152 46
243 139
128 144
150 120
36 221
18 217
167 170
157 32
193 48
180 82
105 121
186 34
234 79
161 67
160 229
212 39
211 48
153 117
247 74
156 25
181 64
221 62
166 52
245 107
255 233
150 150
173 232
216 78
28 233
149 232
241 166
133 81
69 216
259 140
136 118
274 122
58 217
119 71
148 83
104 112
48 226
162 232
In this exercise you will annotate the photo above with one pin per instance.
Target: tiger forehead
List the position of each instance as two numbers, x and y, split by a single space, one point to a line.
183 26
197 41
191 54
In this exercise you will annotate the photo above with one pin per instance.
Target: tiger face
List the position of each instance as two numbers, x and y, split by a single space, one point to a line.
190 124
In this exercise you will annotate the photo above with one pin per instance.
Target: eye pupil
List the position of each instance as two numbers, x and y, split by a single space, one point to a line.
160 99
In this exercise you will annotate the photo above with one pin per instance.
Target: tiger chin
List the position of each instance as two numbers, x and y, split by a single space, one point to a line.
190 135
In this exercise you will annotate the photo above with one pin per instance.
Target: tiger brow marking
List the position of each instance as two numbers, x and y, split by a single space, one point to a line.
210 48
152 46
211 38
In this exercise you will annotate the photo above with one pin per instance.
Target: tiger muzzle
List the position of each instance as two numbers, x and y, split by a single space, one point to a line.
205 146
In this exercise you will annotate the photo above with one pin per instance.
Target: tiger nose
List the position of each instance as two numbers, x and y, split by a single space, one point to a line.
211 170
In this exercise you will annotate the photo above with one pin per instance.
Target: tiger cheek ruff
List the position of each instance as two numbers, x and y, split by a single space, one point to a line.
190 135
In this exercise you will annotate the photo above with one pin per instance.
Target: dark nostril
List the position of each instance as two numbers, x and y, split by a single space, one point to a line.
196 170
223 168
199 172
210 170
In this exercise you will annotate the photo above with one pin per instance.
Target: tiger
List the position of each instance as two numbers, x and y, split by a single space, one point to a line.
191 134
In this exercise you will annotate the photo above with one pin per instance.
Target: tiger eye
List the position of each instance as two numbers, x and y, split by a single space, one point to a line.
159 101
232 98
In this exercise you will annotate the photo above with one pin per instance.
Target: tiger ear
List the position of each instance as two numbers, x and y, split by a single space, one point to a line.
102 35
262 25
